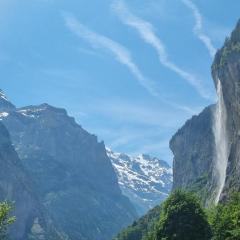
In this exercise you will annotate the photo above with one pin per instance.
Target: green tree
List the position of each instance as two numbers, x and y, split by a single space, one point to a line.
225 219
182 218
5 219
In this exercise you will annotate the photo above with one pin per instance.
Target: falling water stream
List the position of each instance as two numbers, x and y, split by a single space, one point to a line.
221 142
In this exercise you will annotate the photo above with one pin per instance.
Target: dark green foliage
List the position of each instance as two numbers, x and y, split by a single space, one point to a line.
183 218
139 229
225 219
5 219
180 217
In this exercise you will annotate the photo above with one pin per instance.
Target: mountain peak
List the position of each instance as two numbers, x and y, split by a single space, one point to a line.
2 95
146 156
235 36
40 109
5 104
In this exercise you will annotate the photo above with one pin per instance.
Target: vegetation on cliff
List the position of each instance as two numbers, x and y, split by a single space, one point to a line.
231 46
5 219
225 219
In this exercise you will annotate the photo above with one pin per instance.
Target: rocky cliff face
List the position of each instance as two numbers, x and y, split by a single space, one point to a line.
193 145
226 69
16 186
193 149
145 180
73 175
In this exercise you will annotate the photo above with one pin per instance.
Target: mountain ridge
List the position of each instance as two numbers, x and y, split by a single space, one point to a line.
145 180
70 170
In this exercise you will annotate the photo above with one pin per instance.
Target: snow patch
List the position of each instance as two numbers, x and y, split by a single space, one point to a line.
3 115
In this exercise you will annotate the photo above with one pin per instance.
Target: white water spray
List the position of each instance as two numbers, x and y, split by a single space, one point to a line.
221 142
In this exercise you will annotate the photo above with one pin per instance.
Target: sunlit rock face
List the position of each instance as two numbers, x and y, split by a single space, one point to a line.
145 180
17 187
226 69
73 175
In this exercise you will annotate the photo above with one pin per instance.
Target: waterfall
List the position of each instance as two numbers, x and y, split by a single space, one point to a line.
221 142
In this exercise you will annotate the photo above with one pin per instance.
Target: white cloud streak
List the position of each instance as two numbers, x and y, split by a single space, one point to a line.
121 54
147 33
198 28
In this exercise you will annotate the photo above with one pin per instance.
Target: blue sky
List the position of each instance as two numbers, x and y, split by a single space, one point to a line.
131 72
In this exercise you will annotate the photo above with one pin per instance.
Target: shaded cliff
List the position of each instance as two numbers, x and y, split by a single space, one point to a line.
74 178
193 149
16 186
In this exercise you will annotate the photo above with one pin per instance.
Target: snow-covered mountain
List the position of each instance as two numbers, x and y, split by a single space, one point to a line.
145 180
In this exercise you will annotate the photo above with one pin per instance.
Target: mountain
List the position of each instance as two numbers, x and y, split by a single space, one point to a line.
194 146
72 174
145 180
226 72
15 186
5 104
193 149
206 149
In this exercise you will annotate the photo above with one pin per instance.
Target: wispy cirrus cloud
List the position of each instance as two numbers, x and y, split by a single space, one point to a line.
198 28
120 53
147 33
